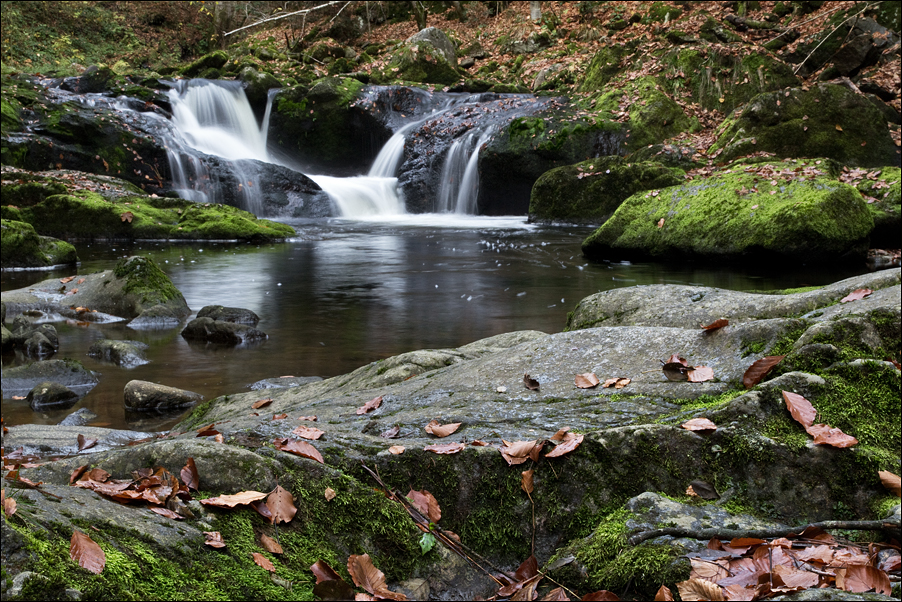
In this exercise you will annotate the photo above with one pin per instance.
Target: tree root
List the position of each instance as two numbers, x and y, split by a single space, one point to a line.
861 525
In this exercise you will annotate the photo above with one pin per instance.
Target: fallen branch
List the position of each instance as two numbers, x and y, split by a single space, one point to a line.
283 16
860 525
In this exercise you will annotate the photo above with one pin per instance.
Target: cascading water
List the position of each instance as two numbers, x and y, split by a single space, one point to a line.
460 178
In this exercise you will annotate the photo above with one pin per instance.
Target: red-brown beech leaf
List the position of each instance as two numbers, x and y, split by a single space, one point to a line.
308 418
262 403
270 545
299 448
699 589
367 576
676 371
520 451
397 450
863 578
263 562
587 380
9 505
281 416
77 473
127 216
189 474
531 383
555 595
570 443
891 482
308 432
441 430
242 498
715 325
701 425
88 555
444 448
800 408
604 596
370 405
664 594
826 435
323 572
526 481
426 503
166 512
85 443
213 539
528 569
759 370
700 374
281 503
859 293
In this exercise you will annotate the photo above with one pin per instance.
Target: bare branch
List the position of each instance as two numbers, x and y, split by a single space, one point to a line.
284 15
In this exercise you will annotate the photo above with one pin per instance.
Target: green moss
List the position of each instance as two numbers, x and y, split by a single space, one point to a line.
23 248
146 280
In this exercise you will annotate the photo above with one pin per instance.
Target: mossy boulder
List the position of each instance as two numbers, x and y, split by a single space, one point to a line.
23 248
826 121
749 212
427 57
881 190
323 128
590 191
257 85
214 60
604 67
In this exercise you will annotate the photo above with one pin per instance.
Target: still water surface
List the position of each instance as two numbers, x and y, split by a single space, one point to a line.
345 293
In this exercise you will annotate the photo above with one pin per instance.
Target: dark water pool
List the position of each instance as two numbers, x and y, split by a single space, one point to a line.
345 293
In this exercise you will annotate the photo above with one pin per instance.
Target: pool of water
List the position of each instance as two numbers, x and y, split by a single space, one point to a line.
345 293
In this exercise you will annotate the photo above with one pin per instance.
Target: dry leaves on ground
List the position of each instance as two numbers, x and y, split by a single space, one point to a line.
759 369
370 405
299 448
441 430
804 413
86 552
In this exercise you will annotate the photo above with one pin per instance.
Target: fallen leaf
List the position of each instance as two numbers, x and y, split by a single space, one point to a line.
279 416
444 448
323 572
800 408
263 562
261 403
238 499
9 505
189 474
77 473
555 595
127 216
676 371
308 418
166 512
308 432
859 293
702 425
531 383
336 590
367 576
397 450
85 443
299 448
526 481
86 553
392 433
439 430
661 223
759 370
281 503
891 482
617 383
370 405
270 545
426 503
863 578
699 589
664 594
587 380
214 539
67 279
329 494
700 374
262 509
520 451
528 569
826 435
601 595
716 325
570 443
691 492
704 490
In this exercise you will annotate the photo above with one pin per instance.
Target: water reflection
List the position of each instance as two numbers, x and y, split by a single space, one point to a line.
343 294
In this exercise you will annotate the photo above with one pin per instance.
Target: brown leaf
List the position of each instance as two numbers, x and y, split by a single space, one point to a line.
370 405
526 481
700 374
9 505
715 325
566 446
702 425
661 223
282 416
555 595
299 448
281 503
370 578
891 482
189 474
531 383
86 553
84 443
862 578
601 595
262 509
214 539
426 503
439 430
261 403
263 562
270 545
519 451
587 380
166 512
676 371
444 448
329 494
323 572
242 498
308 432
859 293
397 450
392 433
127 216
77 473
800 408
759 370
704 490
825 435
67 279
699 589
664 594
308 418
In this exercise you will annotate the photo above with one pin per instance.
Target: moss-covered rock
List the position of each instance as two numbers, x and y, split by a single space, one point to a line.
213 60
881 190
753 211
23 248
590 191
426 57
604 67
257 85
825 121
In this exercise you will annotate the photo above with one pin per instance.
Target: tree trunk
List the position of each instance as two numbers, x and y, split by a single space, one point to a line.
419 13
535 11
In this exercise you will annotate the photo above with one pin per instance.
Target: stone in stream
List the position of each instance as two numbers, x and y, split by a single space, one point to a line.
141 395
67 372
221 332
51 396
79 417
236 315
126 354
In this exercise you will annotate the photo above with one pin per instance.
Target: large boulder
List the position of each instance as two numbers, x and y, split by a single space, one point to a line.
426 57
51 396
69 373
236 315
589 192
143 396
126 354
221 332
745 212
827 120
23 248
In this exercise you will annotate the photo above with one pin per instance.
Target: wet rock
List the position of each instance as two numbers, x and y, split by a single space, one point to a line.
69 373
283 382
62 440
223 333
141 395
126 354
23 248
51 396
236 315
427 56
157 316
79 417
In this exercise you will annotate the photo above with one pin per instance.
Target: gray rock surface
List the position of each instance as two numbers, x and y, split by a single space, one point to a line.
51 396
126 354
283 382
221 332
70 373
236 315
60 440
79 417
142 396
